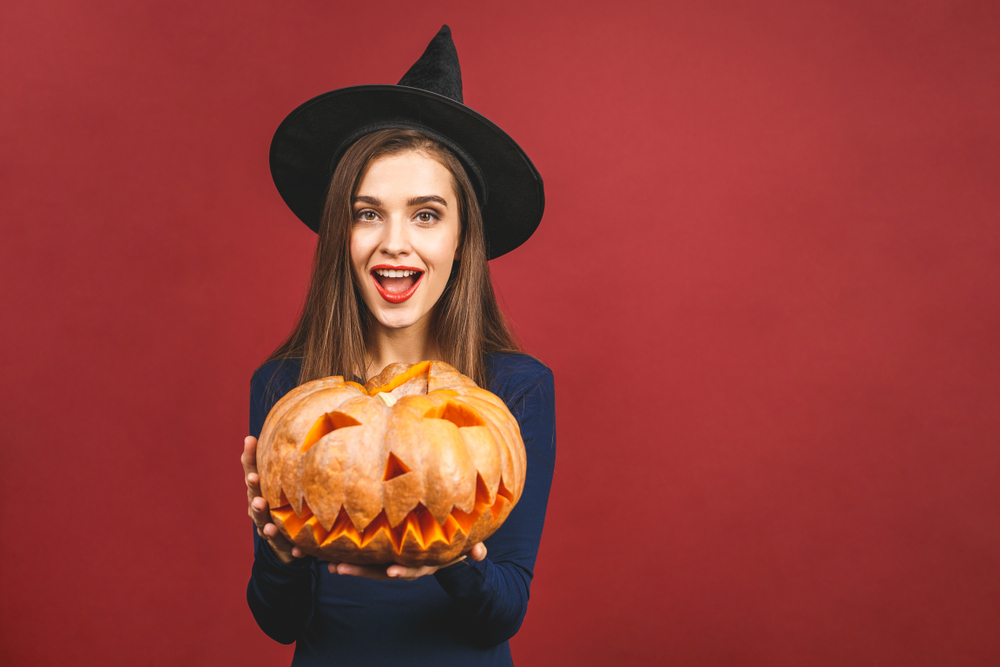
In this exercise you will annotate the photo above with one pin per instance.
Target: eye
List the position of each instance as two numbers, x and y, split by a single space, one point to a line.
427 216
366 215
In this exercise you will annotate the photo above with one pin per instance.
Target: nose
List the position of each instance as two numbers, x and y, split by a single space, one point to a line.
396 240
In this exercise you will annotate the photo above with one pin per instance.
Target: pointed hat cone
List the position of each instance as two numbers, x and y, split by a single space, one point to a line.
437 70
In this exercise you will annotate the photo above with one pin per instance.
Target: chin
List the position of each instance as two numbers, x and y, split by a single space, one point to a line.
395 320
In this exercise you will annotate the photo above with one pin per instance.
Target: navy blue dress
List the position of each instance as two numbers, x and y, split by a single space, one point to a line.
462 615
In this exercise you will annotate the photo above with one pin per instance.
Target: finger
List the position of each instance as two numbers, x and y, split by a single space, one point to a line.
274 536
259 512
478 551
253 486
249 457
409 573
366 571
269 533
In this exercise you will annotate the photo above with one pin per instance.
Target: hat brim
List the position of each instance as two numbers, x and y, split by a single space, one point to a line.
311 140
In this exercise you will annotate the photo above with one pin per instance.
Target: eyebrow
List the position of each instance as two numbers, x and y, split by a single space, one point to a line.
412 201
415 201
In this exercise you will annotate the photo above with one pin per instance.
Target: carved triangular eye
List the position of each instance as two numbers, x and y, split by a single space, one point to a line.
328 423
394 468
457 414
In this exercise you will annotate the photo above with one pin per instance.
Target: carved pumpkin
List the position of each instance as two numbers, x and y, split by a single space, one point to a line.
414 468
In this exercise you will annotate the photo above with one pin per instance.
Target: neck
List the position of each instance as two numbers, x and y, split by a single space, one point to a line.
408 346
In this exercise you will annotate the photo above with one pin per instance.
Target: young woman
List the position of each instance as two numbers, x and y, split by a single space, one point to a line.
411 193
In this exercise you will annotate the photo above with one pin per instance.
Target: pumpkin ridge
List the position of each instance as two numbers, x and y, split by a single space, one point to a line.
364 469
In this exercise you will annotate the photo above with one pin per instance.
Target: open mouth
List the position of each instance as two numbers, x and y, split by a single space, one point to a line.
396 284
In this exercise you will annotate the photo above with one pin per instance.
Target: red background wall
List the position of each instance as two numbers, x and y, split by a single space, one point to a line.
767 282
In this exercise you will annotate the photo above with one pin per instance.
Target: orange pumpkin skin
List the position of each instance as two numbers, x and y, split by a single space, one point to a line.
415 476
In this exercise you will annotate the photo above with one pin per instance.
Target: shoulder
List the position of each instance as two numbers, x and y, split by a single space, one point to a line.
267 385
508 371
517 377
274 379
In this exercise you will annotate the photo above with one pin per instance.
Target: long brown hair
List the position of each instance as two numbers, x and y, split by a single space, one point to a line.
333 326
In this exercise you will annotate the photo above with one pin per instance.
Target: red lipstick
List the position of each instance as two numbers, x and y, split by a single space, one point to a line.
396 297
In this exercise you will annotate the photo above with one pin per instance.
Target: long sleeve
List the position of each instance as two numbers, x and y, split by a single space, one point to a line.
493 594
280 596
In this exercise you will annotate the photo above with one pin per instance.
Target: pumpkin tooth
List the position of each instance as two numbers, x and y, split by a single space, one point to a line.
502 490
431 530
451 527
466 521
290 522
381 523
411 527
343 527
319 533
503 494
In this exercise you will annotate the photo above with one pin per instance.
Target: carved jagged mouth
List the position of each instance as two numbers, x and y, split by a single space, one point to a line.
420 522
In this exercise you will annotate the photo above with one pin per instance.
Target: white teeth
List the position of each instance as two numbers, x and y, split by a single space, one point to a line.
395 273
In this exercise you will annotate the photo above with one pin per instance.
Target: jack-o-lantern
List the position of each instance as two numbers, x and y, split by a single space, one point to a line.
413 468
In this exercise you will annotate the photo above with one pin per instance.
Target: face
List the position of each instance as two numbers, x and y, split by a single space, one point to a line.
405 236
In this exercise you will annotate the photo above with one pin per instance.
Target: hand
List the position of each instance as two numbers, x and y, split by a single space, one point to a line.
477 553
258 509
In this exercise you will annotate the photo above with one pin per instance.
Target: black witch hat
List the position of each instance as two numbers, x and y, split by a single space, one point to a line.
310 142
